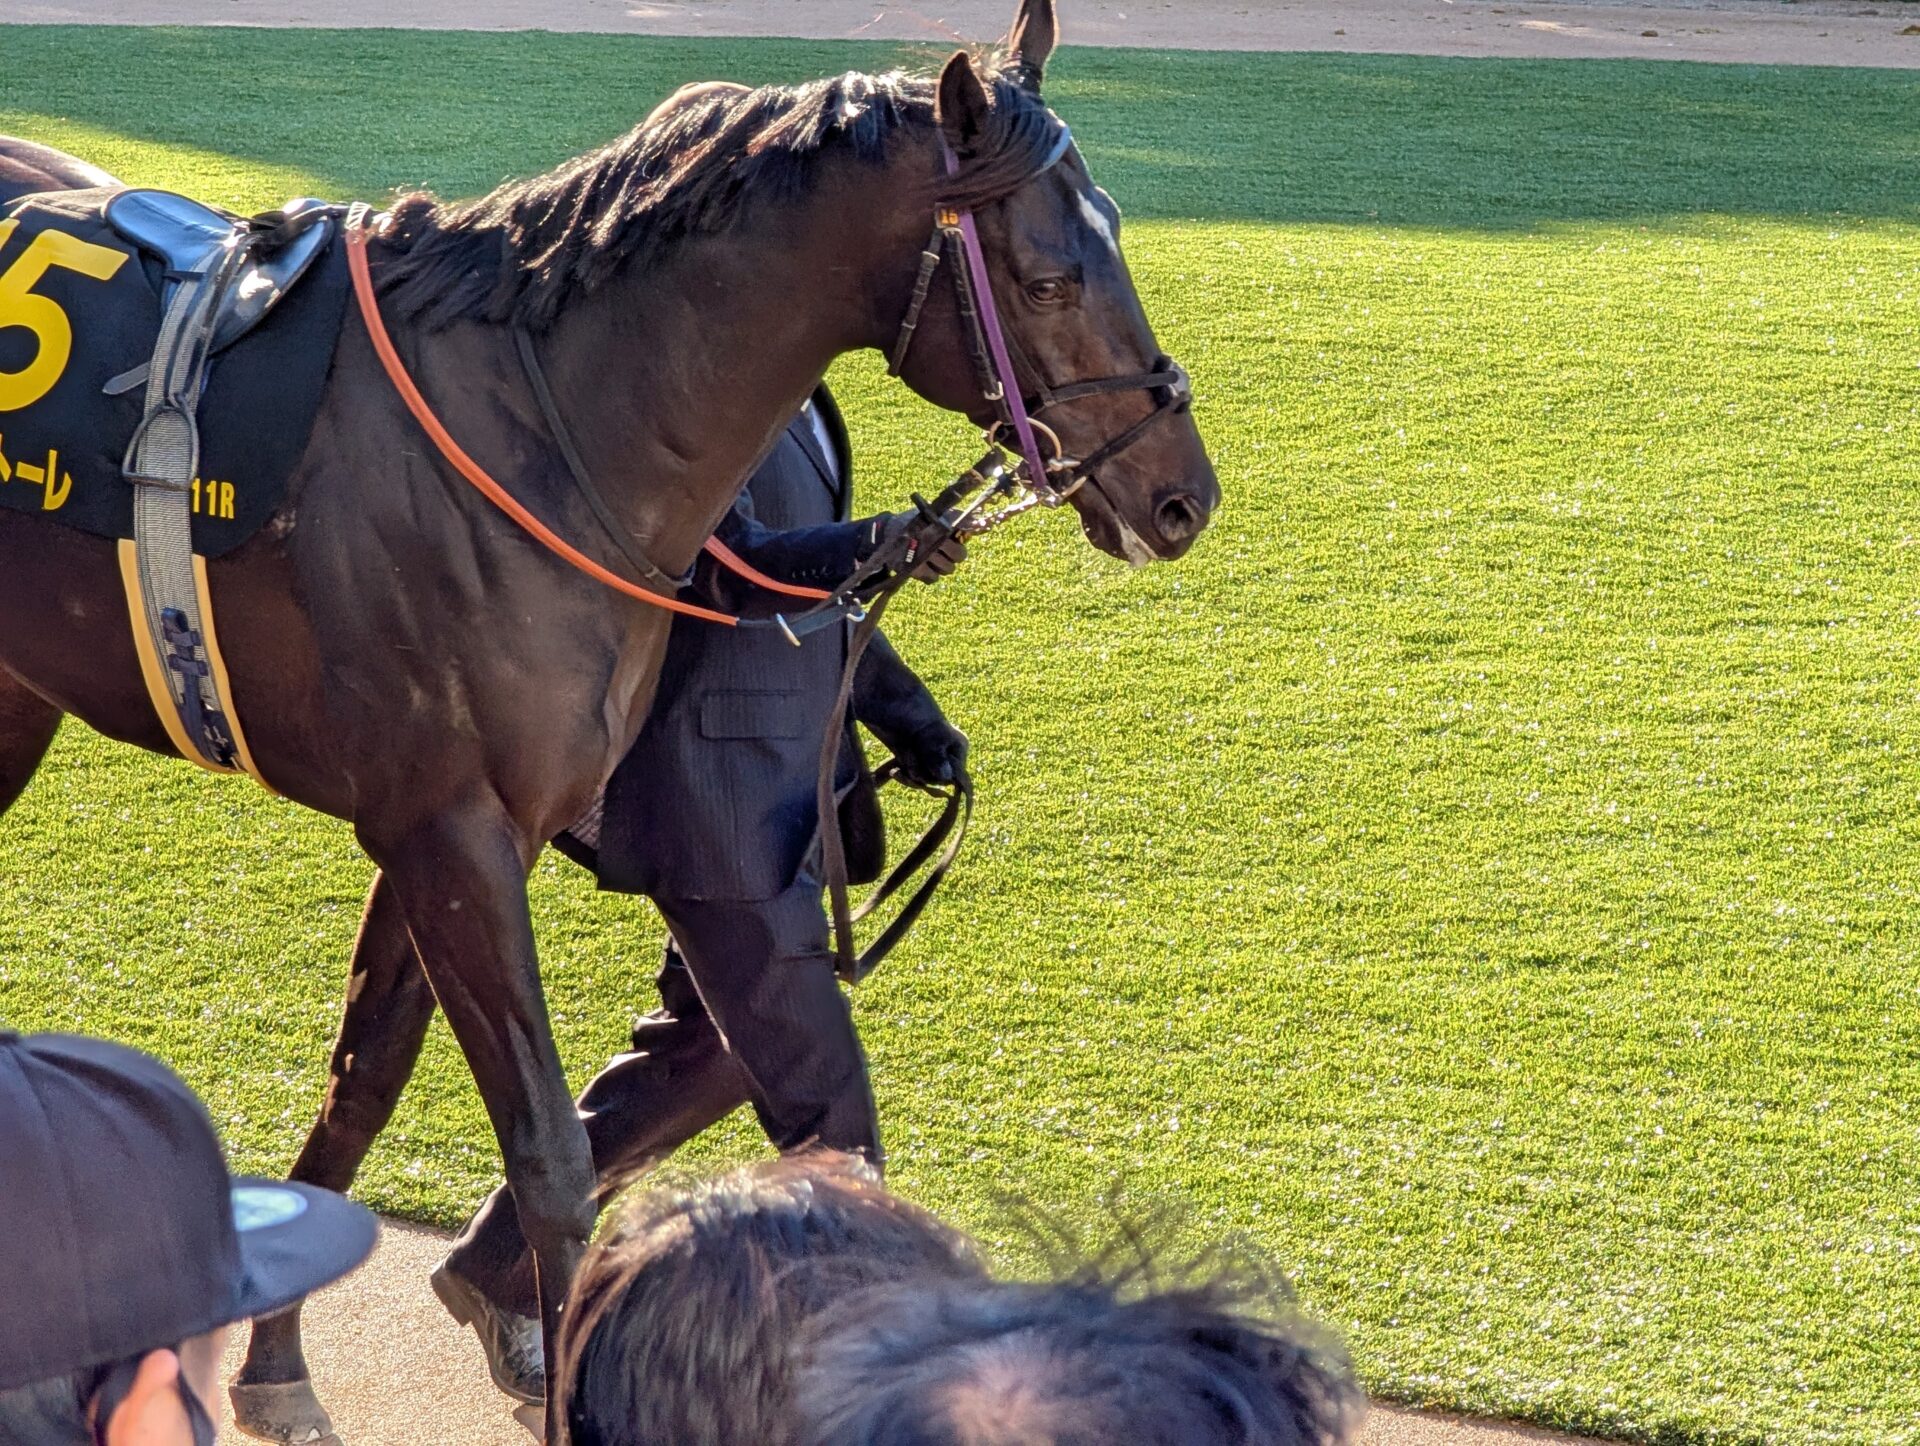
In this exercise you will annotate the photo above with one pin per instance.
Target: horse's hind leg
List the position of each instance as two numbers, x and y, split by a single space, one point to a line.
389 1006
27 725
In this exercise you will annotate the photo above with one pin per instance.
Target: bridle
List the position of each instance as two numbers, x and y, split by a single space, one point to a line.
999 361
1048 482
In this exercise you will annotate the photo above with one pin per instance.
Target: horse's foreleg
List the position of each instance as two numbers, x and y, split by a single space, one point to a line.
27 725
462 881
389 1006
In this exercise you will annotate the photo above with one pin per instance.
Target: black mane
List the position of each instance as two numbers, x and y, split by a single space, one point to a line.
524 251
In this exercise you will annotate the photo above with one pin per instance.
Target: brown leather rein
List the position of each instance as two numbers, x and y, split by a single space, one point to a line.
998 359
860 599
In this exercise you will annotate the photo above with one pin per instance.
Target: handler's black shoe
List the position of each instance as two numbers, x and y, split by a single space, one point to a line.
512 1342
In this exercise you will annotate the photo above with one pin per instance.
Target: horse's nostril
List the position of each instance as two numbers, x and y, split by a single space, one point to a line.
1180 517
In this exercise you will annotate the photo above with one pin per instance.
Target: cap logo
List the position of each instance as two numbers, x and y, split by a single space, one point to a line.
261 1207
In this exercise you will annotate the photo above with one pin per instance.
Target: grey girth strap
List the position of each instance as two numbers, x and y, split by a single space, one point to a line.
161 463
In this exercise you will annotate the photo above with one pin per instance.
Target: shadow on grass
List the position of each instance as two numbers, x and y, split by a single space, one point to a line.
1400 140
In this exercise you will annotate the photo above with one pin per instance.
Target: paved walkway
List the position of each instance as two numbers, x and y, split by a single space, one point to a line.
394 1370
1810 32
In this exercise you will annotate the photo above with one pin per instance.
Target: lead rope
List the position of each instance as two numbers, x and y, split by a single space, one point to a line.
991 478
833 845
950 829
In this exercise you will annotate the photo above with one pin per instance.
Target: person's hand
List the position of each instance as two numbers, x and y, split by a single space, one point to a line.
937 756
927 563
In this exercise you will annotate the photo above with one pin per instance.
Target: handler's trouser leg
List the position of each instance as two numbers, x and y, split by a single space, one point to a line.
765 974
764 971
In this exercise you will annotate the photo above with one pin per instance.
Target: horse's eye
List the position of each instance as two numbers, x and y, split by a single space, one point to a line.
1047 291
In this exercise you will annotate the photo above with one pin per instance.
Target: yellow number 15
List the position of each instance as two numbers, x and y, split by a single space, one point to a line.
41 315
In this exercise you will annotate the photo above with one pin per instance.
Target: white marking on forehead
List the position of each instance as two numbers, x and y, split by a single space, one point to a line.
1097 222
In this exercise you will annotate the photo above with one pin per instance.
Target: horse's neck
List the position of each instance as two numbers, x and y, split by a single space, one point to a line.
689 370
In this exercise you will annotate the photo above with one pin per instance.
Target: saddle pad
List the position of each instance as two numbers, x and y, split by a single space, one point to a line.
80 306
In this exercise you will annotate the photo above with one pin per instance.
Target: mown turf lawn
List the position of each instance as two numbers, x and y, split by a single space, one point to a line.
1485 871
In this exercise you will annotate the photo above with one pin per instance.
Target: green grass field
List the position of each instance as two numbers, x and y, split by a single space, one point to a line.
1485 871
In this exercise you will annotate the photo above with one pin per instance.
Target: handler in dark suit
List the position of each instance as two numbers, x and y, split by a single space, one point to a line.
712 816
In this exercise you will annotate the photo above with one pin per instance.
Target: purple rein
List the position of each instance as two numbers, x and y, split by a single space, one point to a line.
990 319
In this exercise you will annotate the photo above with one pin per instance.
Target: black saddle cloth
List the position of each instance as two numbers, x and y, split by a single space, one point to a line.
61 445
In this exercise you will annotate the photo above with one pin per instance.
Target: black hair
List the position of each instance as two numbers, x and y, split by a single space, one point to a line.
682 1322
1216 1362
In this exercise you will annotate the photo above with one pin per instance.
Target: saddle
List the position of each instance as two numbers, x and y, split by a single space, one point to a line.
187 237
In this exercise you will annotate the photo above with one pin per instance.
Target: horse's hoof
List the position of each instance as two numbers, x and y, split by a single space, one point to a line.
284 1412
534 1418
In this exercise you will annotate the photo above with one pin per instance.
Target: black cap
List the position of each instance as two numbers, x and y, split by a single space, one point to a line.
120 1229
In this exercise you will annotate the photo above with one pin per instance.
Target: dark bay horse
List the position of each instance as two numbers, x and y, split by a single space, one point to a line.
404 658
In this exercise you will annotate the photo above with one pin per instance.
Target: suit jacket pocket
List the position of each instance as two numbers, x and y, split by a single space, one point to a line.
742 714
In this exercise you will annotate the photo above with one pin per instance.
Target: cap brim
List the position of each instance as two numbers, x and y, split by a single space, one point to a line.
294 1239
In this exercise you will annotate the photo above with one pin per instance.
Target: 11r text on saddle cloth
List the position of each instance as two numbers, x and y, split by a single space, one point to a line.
80 306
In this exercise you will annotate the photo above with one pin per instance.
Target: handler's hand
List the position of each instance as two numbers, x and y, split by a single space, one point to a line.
937 756
928 564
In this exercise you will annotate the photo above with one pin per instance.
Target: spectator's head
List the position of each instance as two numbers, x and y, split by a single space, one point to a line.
683 1321
1081 1363
127 1249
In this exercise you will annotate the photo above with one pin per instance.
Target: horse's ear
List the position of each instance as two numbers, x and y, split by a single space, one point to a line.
1035 33
963 105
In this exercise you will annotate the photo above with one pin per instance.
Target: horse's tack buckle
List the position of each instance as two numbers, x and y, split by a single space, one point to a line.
1058 465
1055 496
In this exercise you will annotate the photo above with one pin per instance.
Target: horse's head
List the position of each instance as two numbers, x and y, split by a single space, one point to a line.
1110 407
